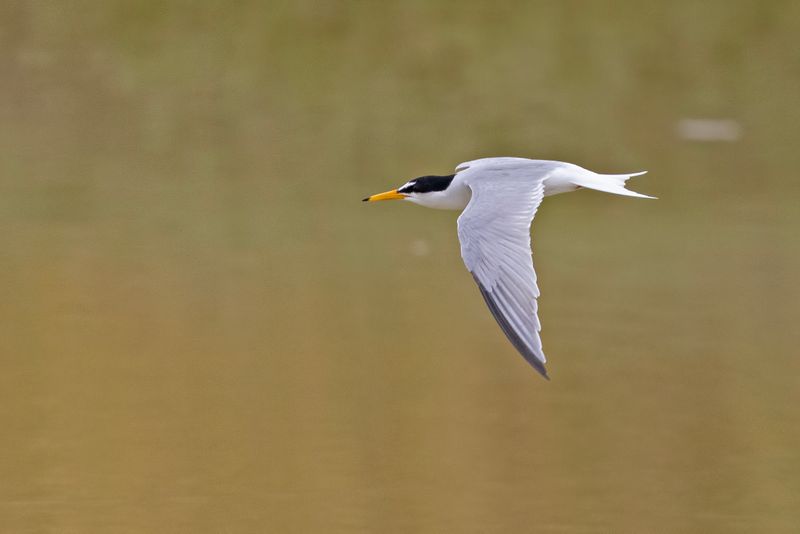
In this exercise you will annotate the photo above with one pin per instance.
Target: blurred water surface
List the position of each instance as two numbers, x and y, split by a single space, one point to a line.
202 329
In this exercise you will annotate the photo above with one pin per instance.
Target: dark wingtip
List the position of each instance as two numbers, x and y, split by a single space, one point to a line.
526 353
546 377
539 366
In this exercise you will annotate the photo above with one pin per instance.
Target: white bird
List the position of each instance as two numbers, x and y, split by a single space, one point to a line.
499 198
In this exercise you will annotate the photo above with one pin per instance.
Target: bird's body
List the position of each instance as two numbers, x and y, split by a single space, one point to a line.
499 198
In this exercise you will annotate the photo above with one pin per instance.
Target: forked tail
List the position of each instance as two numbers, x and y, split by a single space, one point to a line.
609 183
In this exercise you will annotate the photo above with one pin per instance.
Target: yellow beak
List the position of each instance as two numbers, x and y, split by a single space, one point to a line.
388 195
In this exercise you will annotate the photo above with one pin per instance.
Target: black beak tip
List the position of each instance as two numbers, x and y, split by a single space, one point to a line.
364 199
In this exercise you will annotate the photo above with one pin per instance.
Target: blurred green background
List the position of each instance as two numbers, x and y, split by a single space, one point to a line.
202 329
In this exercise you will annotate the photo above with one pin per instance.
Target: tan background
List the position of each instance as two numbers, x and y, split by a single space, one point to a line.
202 329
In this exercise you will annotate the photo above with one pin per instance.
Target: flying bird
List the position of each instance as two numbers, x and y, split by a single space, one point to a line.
499 198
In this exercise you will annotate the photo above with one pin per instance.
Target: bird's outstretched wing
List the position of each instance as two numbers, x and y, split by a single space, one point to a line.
494 231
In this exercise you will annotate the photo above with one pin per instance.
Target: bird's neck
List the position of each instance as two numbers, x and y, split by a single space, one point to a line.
455 197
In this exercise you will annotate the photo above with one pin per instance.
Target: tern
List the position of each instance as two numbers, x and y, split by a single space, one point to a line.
499 198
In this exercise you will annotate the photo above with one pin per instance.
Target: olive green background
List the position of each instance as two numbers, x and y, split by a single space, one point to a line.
203 329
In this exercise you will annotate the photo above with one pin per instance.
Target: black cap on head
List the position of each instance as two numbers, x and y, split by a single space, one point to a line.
427 184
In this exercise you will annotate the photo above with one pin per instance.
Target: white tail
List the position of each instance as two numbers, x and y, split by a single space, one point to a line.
609 183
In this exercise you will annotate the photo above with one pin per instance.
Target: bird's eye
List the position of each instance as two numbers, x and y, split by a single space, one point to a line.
407 188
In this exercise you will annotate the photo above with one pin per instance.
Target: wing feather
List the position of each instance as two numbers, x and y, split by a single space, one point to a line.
494 231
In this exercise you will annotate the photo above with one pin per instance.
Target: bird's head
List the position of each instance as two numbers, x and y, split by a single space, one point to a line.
429 191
